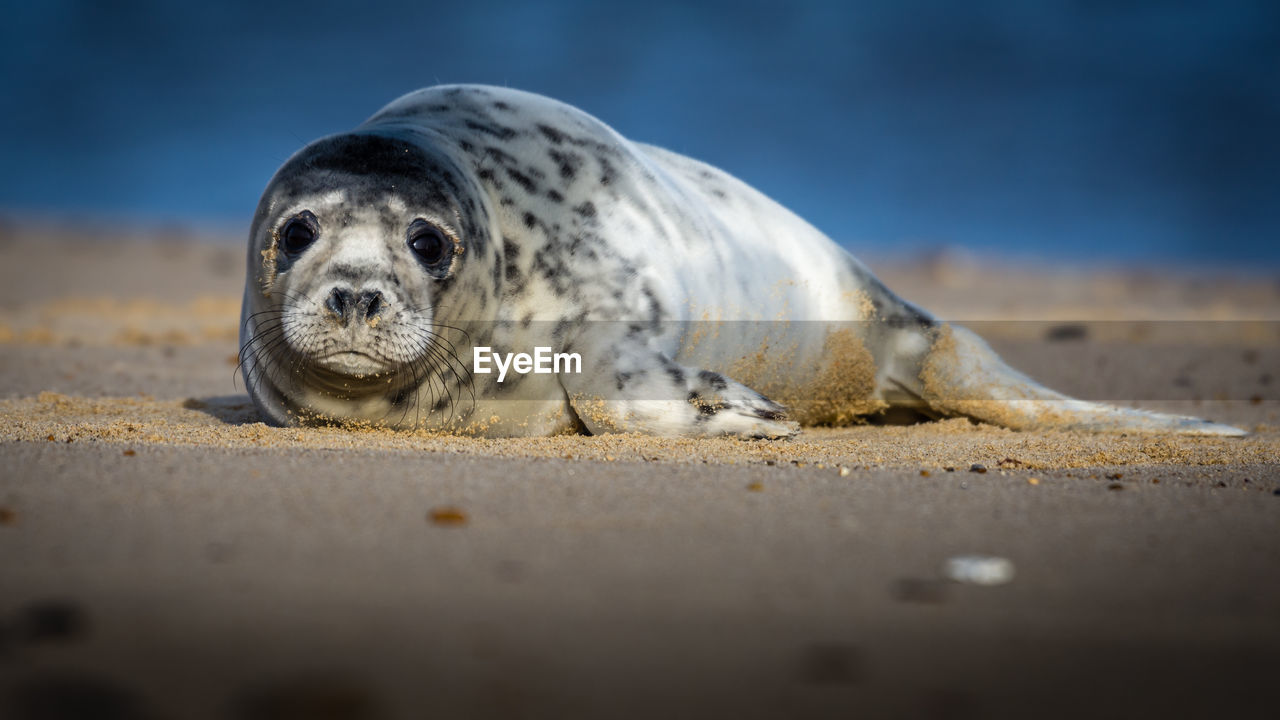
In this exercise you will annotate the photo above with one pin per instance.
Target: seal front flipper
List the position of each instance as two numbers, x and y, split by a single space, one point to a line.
651 393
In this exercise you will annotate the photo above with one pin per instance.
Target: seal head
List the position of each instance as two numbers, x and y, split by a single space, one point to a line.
359 242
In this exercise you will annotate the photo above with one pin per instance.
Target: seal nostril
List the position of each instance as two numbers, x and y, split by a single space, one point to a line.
372 302
340 302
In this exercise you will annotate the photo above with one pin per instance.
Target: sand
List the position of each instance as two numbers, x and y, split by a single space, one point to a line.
165 554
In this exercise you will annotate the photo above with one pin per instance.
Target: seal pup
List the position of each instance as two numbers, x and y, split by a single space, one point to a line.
383 261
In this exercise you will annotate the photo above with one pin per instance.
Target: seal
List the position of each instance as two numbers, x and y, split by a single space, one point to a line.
383 262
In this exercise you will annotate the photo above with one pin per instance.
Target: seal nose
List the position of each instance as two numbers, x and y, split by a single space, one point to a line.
369 305
346 305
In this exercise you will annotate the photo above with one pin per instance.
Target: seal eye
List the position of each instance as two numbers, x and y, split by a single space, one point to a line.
297 234
427 242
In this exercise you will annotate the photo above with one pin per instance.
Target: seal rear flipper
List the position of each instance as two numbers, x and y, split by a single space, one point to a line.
962 375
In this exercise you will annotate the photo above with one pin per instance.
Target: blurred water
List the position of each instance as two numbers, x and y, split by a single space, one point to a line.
1100 131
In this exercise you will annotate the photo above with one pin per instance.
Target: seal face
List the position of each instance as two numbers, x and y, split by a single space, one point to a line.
384 263
356 245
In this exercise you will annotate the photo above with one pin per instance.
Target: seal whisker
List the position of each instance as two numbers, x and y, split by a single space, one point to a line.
436 323
453 355
420 364
270 370
401 397
433 361
440 359
261 367
247 350
449 358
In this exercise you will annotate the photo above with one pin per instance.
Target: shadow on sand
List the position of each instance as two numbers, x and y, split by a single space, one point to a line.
230 409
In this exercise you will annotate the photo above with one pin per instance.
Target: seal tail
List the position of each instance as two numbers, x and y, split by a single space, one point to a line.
961 374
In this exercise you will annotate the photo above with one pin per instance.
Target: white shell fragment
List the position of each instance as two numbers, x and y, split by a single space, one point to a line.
979 569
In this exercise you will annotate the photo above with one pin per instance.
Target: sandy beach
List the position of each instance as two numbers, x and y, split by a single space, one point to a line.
165 554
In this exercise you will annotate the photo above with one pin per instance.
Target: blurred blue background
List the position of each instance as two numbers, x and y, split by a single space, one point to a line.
1113 132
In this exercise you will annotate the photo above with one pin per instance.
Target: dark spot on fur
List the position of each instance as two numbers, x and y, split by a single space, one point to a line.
655 307
912 318
522 180
586 209
554 196
510 251
561 329
499 131
706 410
513 277
719 193
530 220
566 163
621 378
607 172
550 264
501 105
552 134
714 380
500 156
344 272
897 322
675 371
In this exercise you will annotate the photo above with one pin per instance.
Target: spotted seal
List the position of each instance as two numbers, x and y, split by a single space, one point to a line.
467 217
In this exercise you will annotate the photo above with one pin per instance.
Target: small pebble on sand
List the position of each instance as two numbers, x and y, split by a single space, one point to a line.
979 569
447 517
